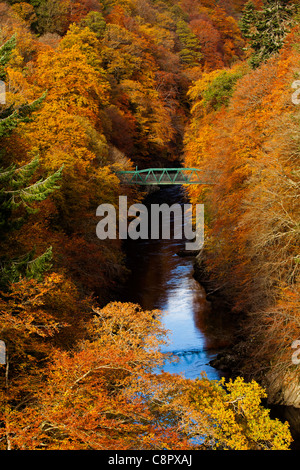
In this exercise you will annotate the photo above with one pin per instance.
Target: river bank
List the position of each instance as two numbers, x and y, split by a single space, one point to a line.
231 360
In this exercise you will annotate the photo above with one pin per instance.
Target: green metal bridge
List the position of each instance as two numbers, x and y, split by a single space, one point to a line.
158 176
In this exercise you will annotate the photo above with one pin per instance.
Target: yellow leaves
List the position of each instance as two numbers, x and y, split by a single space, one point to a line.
195 92
59 137
160 36
82 37
234 418
19 91
216 414
25 11
71 81
124 54
67 130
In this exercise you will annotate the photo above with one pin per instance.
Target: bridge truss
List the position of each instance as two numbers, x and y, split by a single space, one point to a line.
163 176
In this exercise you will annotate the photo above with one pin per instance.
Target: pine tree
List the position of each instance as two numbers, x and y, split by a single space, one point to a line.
5 54
19 195
16 192
18 199
25 266
10 117
190 49
266 29
248 20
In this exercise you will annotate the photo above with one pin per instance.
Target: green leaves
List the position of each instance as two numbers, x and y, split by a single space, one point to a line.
18 199
190 50
23 114
219 92
266 28
5 54
17 191
27 266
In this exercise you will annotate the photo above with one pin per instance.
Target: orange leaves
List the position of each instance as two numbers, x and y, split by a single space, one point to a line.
25 11
104 395
75 93
121 84
22 308
117 16
71 81
244 148
134 329
210 40
152 117
231 39
76 10
85 404
252 149
60 138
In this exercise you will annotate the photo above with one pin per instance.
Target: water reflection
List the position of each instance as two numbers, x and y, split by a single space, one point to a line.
162 280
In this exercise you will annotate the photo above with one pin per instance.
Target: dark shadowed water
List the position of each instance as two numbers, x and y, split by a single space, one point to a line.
160 279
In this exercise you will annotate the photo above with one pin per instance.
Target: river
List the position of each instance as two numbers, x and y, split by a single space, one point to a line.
198 331
161 279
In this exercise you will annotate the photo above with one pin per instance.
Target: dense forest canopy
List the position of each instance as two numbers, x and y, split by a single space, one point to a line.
95 86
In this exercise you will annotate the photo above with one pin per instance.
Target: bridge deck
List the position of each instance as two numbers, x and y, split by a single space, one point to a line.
160 176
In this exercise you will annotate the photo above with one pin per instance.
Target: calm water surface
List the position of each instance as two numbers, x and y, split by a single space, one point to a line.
160 279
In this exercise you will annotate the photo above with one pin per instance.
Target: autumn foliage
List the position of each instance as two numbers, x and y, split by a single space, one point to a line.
244 133
94 86
104 395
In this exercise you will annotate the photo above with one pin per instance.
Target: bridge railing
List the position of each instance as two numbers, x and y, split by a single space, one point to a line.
160 176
